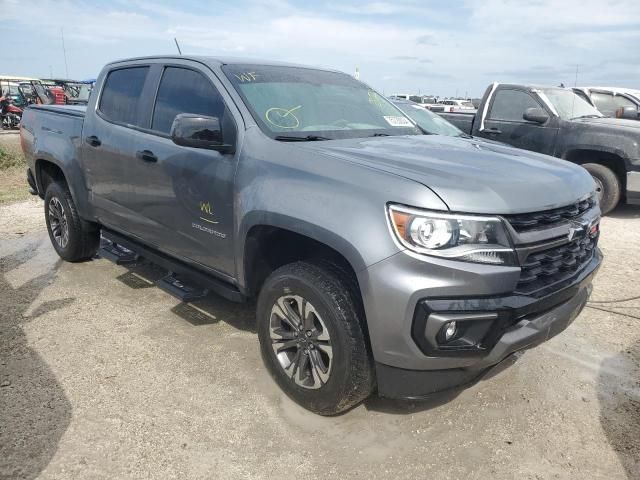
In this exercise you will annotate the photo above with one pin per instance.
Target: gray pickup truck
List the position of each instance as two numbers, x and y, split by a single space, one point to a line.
556 121
382 259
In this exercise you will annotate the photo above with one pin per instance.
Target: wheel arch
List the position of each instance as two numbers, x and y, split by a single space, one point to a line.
269 245
612 160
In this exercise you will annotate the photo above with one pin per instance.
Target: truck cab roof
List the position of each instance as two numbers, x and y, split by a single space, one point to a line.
219 61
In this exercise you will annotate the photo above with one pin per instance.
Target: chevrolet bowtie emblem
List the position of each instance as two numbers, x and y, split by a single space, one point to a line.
577 230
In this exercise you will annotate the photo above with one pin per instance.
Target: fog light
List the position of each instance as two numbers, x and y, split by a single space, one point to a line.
450 330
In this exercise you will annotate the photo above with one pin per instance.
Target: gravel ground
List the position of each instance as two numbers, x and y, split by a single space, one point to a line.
104 376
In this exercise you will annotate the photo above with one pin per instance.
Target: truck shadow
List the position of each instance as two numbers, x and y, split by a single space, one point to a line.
34 410
204 311
625 212
619 397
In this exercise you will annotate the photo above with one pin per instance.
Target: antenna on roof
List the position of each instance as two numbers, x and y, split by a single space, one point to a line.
64 52
177 45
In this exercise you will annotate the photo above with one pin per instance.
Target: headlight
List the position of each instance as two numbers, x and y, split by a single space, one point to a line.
458 237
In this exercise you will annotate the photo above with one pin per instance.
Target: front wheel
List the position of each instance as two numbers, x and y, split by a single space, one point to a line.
607 185
73 239
312 337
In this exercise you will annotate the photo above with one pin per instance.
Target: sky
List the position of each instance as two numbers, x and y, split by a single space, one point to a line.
439 47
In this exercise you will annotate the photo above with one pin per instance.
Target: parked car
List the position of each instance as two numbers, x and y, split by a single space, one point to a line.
454 105
556 121
381 259
613 102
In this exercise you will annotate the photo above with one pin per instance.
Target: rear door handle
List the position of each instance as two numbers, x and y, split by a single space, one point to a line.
146 156
93 141
494 131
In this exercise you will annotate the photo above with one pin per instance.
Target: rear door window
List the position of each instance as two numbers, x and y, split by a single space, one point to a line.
120 99
184 91
510 105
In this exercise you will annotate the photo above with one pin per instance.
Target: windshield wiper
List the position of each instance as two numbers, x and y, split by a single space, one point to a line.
293 138
380 135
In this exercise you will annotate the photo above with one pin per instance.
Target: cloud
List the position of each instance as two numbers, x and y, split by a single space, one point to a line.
426 40
467 44
404 57
428 75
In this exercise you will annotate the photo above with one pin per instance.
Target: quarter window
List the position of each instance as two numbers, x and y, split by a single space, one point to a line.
510 105
184 91
120 100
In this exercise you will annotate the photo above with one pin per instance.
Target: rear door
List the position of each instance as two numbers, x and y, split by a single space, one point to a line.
184 195
108 145
504 122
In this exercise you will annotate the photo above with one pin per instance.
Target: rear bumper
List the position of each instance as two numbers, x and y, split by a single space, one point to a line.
533 322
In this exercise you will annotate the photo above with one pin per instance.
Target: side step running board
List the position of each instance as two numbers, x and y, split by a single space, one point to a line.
117 253
183 292
186 274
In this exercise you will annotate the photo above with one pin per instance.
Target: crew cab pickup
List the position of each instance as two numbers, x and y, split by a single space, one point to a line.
381 259
558 122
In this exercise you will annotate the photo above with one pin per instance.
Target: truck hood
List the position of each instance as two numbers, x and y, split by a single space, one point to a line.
467 174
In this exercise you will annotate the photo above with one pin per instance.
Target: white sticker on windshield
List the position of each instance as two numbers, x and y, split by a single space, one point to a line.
398 121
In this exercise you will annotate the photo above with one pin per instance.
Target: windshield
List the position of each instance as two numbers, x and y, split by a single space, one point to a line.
429 122
291 102
569 105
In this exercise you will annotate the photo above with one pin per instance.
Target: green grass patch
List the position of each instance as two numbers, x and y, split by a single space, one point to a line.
13 180
10 158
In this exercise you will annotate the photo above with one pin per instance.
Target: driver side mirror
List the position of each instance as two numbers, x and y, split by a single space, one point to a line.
628 112
536 115
198 131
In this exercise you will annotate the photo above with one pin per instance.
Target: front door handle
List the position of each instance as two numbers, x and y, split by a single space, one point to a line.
93 141
146 156
494 131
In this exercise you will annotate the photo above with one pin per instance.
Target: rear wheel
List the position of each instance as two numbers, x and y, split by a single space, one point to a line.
73 238
607 185
312 338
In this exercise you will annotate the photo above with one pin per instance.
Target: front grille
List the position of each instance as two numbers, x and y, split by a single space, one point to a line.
548 267
530 221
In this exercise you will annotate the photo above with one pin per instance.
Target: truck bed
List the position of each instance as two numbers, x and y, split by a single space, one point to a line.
73 110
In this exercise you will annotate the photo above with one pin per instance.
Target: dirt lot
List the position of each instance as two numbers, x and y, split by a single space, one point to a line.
104 376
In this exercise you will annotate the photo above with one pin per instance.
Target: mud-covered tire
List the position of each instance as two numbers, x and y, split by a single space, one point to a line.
82 237
608 184
351 377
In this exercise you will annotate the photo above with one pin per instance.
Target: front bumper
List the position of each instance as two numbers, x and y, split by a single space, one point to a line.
406 370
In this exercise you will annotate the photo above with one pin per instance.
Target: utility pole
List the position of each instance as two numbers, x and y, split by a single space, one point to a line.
64 52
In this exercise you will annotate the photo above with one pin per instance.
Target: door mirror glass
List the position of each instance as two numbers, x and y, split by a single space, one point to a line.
537 115
197 131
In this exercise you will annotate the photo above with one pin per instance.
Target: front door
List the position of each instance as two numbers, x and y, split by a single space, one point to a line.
185 195
504 122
